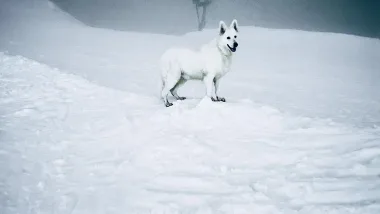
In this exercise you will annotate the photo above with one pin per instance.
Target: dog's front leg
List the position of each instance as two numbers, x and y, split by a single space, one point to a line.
216 83
209 82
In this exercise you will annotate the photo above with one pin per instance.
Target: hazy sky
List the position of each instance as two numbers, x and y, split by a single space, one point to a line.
360 17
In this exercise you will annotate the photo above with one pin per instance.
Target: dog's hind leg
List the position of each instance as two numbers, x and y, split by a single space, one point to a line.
171 80
174 90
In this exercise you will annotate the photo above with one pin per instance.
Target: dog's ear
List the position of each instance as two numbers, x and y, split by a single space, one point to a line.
234 25
222 28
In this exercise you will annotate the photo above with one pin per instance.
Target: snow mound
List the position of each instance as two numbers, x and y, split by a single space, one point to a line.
77 147
321 75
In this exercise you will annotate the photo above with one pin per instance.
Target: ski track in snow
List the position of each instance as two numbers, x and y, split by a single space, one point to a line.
70 146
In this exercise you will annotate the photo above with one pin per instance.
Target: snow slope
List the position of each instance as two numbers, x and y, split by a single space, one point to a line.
82 129
315 74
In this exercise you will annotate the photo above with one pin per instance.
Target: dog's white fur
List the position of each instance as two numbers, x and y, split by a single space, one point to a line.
209 64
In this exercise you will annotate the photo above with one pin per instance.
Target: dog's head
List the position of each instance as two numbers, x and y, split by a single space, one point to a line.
228 36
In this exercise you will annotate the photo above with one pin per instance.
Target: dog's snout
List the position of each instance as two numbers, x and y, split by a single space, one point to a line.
235 44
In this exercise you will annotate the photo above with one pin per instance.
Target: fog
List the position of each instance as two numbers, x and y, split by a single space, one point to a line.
179 16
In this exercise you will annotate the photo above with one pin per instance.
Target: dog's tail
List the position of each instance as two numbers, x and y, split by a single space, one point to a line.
161 86
165 67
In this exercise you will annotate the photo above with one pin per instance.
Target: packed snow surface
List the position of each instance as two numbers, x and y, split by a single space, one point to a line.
82 128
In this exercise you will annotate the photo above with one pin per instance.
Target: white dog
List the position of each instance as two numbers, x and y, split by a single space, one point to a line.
209 64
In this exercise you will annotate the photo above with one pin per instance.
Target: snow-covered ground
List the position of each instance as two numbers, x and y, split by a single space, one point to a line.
82 129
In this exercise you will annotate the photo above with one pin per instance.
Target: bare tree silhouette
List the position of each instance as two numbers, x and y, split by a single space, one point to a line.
201 19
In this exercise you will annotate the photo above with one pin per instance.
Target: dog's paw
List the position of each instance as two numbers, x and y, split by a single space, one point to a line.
181 98
218 99
168 104
221 99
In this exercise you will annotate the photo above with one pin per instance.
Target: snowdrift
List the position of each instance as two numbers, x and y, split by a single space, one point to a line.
82 129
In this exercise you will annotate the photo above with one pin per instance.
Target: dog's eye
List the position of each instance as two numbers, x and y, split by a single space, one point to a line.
228 37
235 37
